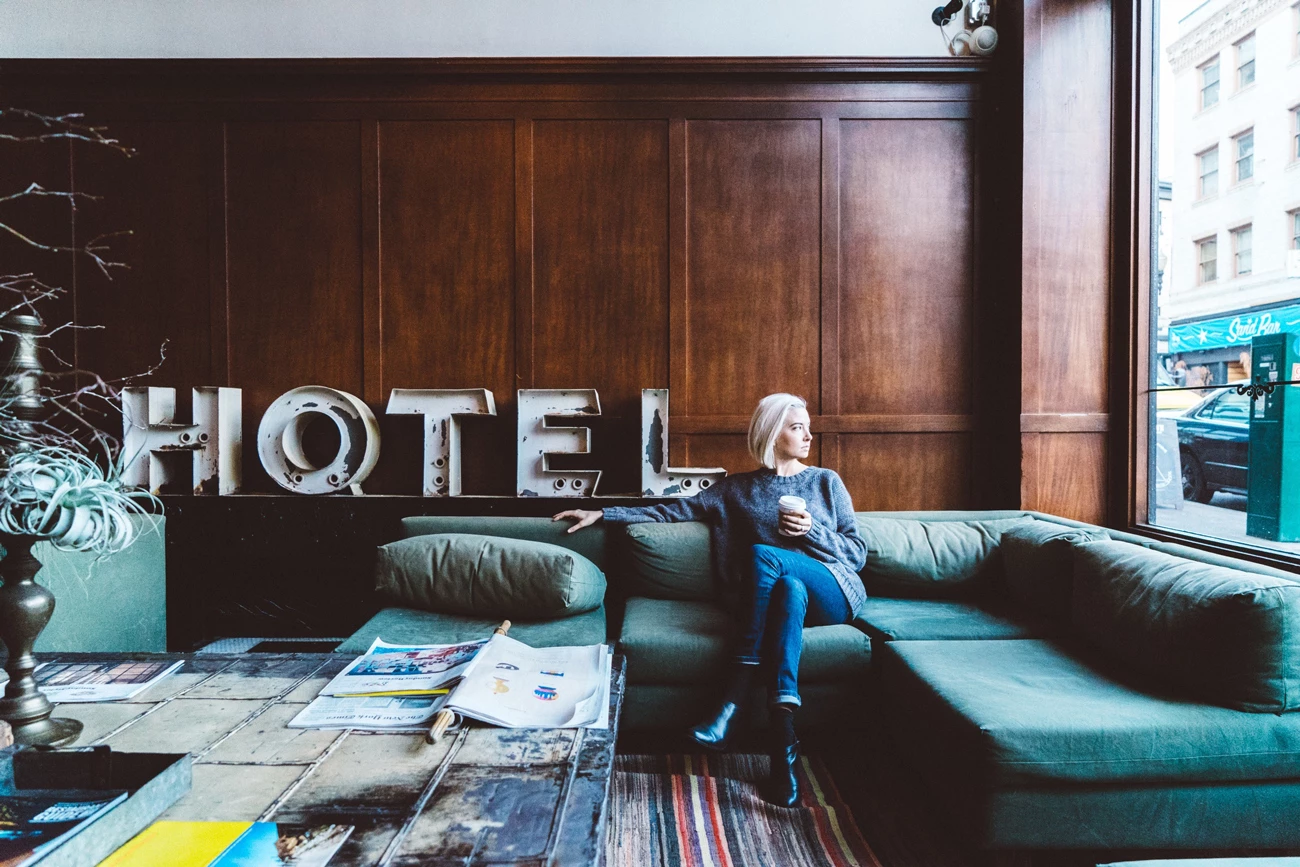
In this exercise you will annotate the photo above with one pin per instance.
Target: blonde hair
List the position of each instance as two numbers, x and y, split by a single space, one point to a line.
766 423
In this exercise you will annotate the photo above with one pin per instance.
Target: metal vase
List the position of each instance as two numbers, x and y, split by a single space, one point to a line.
25 609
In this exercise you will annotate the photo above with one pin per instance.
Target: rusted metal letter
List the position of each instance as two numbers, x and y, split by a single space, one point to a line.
214 440
657 478
279 440
442 409
537 441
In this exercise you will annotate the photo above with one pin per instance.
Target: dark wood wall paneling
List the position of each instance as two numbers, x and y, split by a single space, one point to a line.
1066 257
724 229
714 235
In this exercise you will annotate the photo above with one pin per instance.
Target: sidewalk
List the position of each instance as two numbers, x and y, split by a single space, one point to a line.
1224 517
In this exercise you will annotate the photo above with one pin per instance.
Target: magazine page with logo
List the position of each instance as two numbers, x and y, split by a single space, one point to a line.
511 684
391 669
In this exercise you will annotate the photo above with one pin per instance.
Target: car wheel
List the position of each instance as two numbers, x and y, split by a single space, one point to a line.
1194 487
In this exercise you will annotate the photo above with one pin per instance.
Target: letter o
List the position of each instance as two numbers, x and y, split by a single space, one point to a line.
279 440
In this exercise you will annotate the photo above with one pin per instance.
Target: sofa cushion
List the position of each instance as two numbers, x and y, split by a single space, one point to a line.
488 576
929 559
1037 564
1013 711
1221 635
408 626
669 641
888 619
670 561
589 541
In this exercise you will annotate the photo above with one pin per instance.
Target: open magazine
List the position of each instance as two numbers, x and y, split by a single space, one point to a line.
498 680
513 685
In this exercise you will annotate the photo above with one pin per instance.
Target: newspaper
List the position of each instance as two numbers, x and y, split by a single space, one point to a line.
69 682
502 681
389 713
393 669
513 685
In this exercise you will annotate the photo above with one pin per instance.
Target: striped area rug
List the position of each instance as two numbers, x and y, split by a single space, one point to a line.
706 811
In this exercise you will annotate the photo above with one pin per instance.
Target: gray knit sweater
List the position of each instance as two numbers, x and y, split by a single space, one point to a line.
741 512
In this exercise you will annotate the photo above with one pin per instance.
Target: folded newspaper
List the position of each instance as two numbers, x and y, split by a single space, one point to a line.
499 680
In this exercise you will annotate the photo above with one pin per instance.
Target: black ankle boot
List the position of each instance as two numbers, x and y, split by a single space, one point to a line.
783 785
714 733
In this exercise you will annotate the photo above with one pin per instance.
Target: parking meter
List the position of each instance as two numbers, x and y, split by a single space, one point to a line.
1273 486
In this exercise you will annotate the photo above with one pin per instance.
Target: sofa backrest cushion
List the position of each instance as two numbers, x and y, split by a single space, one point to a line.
1222 635
589 541
1037 564
670 561
488 576
930 559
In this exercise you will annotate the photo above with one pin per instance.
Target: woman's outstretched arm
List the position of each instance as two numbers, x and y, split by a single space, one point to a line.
843 542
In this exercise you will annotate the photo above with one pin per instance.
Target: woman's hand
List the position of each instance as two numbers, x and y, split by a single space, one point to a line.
796 523
585 518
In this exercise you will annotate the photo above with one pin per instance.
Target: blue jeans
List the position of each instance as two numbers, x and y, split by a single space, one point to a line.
786 591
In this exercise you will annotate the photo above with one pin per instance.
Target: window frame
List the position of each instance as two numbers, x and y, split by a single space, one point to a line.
1236 234
1238 158
1201 243
1201 174
1240 66
1217 62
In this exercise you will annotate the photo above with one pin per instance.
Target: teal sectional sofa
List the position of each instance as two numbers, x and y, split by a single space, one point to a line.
1054 684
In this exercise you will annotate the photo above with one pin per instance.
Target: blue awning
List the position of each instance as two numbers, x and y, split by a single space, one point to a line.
1233 330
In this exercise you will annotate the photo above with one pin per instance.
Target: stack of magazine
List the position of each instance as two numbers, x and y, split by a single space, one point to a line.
68 682
500 681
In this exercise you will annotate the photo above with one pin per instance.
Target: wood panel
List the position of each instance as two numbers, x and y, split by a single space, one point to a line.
1067 172
907 277
600 258
136 312
293 213
1066 249
753 273
1065 474
447 255
732 452
906 471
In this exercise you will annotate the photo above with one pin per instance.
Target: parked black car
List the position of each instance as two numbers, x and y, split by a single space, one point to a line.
1214 445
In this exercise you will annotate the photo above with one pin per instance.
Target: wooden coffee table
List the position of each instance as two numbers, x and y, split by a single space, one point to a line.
483 795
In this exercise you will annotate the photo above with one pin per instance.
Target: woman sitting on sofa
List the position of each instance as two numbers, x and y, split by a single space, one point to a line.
781 569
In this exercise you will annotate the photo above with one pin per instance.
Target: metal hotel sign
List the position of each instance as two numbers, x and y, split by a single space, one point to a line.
550 423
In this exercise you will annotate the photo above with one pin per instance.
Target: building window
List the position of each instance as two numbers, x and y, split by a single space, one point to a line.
1246 61
1209 172
1241 250
1210 83
1245 155
1295 230
1295 30
1207 256
1295 134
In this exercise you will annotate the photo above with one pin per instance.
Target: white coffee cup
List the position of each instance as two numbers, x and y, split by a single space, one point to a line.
788 505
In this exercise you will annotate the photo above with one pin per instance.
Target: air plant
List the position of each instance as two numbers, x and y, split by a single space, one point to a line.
63 495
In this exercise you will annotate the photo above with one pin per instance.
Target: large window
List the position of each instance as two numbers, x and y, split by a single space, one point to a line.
1246 61
1210 83
1209 169
1225 274
1245 155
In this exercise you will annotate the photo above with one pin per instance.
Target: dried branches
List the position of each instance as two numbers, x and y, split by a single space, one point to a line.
63 407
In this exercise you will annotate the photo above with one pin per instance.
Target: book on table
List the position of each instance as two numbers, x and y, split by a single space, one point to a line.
35 823
231 844
497 680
